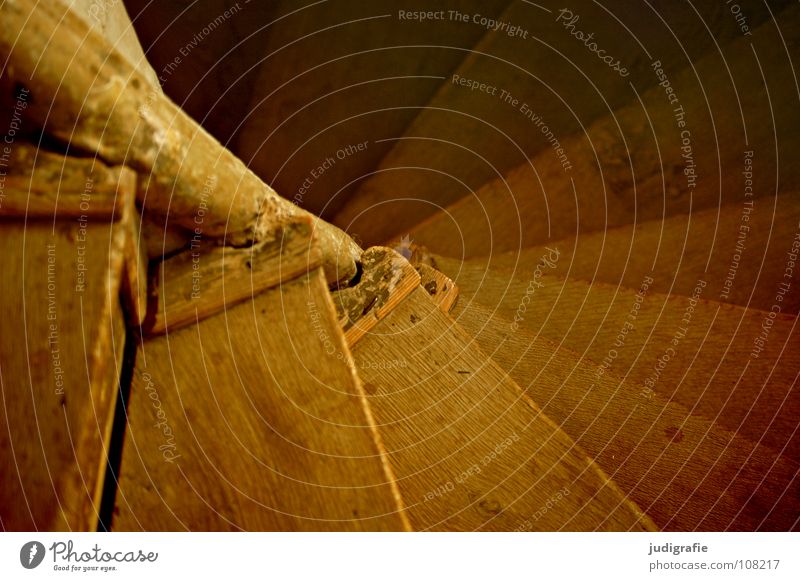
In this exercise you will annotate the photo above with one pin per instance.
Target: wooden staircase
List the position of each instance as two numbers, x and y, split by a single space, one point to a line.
575 308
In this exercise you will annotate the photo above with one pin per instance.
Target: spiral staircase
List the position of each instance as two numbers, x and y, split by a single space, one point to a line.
576 308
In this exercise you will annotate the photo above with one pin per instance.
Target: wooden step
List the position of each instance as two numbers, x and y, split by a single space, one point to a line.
745 252
544 87
686 472
68 252
629 166
253 418
336 80
469 449
736 367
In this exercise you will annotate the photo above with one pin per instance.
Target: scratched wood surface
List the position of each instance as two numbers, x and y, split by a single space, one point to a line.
715 359
546 92
743 251
254 419
629 165
469 449
685 471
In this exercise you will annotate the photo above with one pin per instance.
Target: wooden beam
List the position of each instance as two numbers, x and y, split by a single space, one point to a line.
255 419
110 110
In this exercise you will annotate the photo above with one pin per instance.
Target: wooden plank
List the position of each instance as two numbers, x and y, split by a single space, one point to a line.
386 280
629 166
204 280
110 110
733 366
61 350
685 471
534 96
470 450
744 251
254 419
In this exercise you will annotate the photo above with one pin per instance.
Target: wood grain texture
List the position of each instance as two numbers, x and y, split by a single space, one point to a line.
716 360
337 74
60 351
555 88
443 290
110 110
686 472
254 419
387 278
41 184
205 279
744 252
629 167
470 450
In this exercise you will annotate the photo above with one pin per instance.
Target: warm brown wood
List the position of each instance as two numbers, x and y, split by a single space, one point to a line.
742 250
711 358
334 80
387 278
111 110
202 281
255 419
470 450
41 184
63 332
442 289
686 472
629 166
542 91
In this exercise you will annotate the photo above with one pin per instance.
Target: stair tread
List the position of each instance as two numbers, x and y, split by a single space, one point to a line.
538 202
744 253
245 421
359 79
684 471
469 450
713 364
